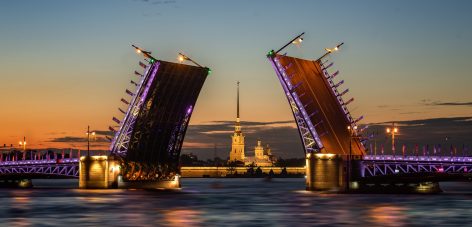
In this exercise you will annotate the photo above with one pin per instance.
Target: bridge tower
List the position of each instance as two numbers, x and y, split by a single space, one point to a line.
322 117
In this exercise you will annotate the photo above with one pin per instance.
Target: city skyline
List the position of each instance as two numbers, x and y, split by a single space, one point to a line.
58 76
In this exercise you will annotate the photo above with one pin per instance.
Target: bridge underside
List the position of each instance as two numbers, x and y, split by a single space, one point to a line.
157 137
323 111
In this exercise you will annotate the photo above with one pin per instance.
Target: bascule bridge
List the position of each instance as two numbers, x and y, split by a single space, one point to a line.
145 150
336 157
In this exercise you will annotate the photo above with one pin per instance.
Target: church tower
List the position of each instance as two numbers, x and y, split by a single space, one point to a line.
237 144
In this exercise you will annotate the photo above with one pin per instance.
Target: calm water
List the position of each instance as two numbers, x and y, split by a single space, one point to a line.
217 202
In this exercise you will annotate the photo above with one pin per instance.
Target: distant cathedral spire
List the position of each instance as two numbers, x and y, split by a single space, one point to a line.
237 127
237 145
237 100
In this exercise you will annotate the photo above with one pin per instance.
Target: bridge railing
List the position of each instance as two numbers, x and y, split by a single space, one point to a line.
380 165
400 158
39 162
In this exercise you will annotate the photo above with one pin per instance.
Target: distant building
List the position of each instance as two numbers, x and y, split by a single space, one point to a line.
262 156
237 144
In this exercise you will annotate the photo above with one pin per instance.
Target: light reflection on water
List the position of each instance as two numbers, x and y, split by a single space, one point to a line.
216 202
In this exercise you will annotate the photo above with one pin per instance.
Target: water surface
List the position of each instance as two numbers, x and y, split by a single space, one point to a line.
217 202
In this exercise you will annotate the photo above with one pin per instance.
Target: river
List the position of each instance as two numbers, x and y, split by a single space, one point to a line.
232 202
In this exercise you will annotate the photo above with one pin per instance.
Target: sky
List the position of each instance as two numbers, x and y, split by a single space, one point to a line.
66 64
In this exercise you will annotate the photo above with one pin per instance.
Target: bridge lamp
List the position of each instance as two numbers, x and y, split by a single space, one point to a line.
354 128
298 40
351 136
392 131
91 134
181 58
23 143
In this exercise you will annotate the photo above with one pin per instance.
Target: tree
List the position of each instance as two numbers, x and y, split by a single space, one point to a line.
271 173
258 171
284 172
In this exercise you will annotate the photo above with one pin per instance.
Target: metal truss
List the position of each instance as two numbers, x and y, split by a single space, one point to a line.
178 134
379 165
64 170
334 88
40 162
122 137
308 134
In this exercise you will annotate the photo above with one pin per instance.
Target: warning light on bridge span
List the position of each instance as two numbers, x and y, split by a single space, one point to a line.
209 71
138 51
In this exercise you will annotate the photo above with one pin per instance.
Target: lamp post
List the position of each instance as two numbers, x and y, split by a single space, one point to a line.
393 131
352 131
88 133
23 143
183 57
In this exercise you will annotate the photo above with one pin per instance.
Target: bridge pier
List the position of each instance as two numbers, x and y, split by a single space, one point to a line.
324 172
98 172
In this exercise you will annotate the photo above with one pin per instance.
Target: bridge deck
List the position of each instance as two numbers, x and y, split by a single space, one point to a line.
318 97
29 169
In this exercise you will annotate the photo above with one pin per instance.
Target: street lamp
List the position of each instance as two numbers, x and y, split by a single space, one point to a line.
146 54
89 133
393 131
352 131
183 57
23 144
297 41
330 50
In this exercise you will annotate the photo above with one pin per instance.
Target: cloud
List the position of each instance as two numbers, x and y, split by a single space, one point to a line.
412 112
285 142
282 136
73 139
67 139
452 103
201 139
429 102
104 133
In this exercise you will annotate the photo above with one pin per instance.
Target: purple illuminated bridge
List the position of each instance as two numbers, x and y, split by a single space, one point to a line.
149 136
